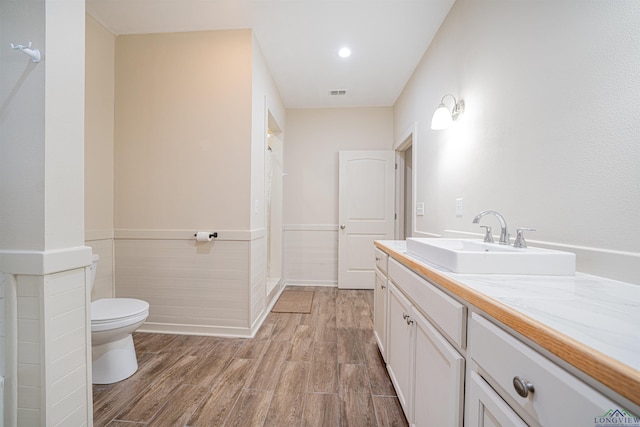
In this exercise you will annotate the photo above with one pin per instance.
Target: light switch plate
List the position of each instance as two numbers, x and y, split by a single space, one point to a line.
459 207
420 209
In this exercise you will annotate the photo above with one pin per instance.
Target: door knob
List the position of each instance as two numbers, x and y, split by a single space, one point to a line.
342 227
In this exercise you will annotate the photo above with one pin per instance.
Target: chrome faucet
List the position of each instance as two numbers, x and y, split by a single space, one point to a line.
520 242
504 234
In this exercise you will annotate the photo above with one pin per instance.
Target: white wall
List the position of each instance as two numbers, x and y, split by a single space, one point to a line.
313 139
550 133
99 151
183 164
190 133
182 131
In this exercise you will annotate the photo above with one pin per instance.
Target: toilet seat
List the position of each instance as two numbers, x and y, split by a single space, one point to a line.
112 313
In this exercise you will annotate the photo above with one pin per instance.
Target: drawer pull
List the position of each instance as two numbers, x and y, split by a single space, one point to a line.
522 387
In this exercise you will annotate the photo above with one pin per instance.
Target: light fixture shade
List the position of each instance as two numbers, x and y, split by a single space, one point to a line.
441 118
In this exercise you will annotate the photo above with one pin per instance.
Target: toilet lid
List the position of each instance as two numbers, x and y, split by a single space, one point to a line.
109 309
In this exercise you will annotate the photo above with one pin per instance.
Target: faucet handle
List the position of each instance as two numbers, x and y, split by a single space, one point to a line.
488 237
520 242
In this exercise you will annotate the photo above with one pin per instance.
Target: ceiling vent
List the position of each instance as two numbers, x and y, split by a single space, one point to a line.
337 92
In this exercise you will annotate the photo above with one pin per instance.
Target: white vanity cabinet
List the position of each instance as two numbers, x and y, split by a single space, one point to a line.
538 390
380 293
380 313
426 370
453 364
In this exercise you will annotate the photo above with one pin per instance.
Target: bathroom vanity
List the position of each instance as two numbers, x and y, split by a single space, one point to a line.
506 350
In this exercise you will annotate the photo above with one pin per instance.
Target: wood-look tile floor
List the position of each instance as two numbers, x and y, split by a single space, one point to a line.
317 369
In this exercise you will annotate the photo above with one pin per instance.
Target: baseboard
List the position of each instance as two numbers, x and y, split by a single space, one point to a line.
213 331
320 283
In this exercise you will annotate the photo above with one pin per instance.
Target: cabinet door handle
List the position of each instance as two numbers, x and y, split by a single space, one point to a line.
383 286
409 321
342 227
405 316
523 387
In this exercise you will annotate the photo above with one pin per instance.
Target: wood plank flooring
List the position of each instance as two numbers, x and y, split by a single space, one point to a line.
319 369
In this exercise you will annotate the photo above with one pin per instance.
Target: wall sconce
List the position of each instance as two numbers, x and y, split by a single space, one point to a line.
442 117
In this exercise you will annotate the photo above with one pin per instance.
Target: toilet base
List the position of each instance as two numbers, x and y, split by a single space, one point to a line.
114 361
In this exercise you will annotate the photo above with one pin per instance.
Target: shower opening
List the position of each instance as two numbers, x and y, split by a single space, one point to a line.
273 202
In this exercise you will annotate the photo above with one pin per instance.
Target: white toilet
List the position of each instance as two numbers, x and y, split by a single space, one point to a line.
113 320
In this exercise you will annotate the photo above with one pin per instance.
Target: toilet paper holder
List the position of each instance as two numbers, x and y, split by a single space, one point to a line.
213 234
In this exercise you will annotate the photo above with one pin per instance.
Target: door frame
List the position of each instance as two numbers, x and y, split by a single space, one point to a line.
409 138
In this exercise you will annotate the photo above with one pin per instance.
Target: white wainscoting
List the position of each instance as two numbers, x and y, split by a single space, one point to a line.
3 348
311 254
62 328
67 333
258 271
200 288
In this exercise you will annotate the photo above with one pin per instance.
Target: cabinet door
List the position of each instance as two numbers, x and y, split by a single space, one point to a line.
399 348
380 313
439 378
486 408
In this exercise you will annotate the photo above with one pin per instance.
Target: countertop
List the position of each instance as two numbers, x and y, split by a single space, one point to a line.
590 322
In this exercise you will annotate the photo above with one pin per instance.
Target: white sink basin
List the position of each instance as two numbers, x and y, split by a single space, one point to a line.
477 257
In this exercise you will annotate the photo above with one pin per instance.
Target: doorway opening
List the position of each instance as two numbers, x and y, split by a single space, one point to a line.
405 155
273 206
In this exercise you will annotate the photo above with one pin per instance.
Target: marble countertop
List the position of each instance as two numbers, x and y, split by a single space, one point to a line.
587 312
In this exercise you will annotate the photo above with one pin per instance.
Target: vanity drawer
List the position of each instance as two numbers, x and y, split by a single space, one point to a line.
445 312
382 260
558 398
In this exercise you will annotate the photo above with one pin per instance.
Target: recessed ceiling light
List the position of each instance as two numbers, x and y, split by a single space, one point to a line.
345 52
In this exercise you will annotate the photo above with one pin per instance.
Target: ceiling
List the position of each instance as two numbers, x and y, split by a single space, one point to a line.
300 40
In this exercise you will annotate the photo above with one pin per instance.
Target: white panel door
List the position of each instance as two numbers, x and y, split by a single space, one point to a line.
366 213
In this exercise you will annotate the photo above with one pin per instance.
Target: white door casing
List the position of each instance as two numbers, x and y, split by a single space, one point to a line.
365 213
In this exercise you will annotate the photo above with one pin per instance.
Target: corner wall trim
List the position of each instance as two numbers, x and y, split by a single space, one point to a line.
40 263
